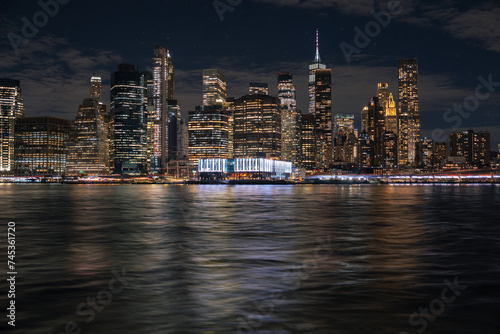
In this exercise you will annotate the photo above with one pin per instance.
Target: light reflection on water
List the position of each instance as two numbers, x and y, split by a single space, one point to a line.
203 259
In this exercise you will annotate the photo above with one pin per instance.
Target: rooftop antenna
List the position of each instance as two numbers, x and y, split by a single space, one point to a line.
317 58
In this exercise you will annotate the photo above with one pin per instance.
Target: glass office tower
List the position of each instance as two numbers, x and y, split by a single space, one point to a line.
127 113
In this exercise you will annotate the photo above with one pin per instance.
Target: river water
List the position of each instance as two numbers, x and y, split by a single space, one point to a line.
154 259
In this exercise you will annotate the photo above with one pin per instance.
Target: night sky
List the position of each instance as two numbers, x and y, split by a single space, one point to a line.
454 41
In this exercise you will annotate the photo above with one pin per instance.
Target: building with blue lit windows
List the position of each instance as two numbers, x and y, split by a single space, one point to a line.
244 169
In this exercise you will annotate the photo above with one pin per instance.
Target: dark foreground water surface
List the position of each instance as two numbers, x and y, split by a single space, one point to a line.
156 259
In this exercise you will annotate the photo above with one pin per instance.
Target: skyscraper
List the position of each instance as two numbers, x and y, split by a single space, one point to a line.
208 133
88 149
373 126
258 88
127 114
174 121
320 105
424 154
475 147
391 116
214 87
308 142
390 149
441 154
409 112
344 138
386 144
383 93
41 146
230 109
290 119
96 88
257 127
343 125
163 91
377 130
11 108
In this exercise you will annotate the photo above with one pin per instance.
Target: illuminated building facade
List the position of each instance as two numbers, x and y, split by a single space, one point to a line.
96 88
391 115
214 88
373 122
343 141
40 145
128 105
175 149
366 152
308 142
409 112
424 154
11 108
351 149
244 168
475 147
290 119
441 154
163 90
88 149
257 127
320 105
230 109
365 119
208 133
256 88
383 93
390 150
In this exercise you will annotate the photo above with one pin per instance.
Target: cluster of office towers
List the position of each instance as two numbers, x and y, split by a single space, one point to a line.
258 125
145 133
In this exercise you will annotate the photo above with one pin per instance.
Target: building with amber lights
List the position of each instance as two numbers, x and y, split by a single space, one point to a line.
257 127
391 115
441 154
424 157
308 142
383 93
230 109
409 112
373 125
290 119
88 148
11 108
258 88
366 151
96 88
208 133
89 144
390 150
214 88
41 146
475 147
344 139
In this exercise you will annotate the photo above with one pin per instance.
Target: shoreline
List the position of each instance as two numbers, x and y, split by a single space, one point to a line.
276 183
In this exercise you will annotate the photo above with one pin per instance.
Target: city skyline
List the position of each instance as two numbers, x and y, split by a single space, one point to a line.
449 74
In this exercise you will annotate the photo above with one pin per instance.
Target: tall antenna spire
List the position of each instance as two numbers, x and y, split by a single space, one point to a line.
317 59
